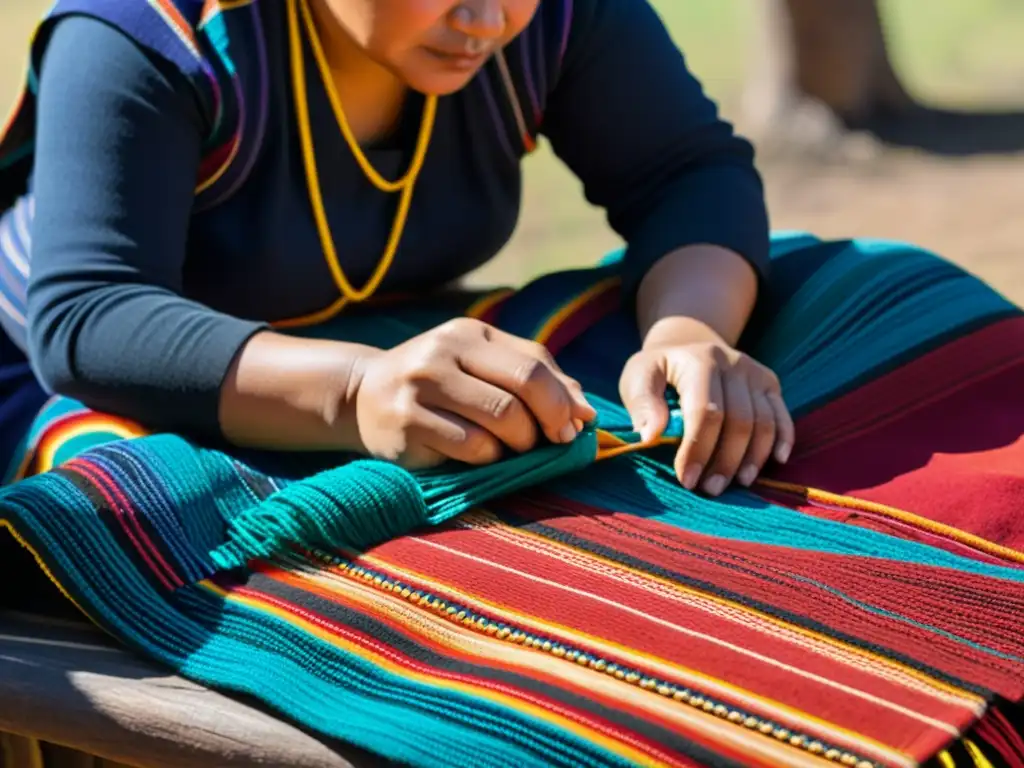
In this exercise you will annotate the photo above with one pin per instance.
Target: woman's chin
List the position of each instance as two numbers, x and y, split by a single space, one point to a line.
440 75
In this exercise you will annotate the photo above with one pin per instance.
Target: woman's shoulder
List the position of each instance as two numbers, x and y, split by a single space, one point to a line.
87 48
125 27
86 69
203 61
201 44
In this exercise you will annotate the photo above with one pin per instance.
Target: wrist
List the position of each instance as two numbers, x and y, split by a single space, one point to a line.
679 330
697 293
295 394
339 399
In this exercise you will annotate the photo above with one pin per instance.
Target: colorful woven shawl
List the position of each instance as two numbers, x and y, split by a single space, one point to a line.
575 606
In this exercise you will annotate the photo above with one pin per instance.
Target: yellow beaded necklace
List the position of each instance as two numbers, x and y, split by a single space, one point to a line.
405 184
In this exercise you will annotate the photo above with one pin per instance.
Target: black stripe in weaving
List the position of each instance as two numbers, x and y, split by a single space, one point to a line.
601 550
407 646
114 527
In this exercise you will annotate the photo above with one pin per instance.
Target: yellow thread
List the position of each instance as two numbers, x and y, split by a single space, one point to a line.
895 672
230 5
609 446
14 746
373 655
36 750
946 759
611 648
213 9
12 114
15 110
22 472
46 452
555 321
482 305
980 761
850 502
339 113
5 524
216 176
406 184
348 584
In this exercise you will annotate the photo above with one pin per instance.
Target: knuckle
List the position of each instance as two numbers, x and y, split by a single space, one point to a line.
741 412
428 358
405 407
711 413
481 446
500 407
742 423
454 332
459 326
637 359
431 347
422 368
529 373
542 353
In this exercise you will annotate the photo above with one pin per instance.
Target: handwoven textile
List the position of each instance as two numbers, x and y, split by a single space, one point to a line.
575 606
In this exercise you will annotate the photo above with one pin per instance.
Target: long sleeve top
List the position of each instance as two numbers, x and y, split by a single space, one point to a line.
138 301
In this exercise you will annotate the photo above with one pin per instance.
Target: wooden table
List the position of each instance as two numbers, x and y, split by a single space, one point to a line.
64 683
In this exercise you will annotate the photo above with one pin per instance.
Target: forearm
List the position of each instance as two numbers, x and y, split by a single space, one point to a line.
696 293
293 394
136 351
174 365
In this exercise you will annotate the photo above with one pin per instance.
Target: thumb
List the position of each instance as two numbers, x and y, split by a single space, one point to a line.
642 389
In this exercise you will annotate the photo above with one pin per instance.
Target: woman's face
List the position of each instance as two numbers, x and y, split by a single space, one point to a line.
434 46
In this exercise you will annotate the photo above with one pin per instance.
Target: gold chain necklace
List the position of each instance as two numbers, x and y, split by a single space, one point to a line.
405 184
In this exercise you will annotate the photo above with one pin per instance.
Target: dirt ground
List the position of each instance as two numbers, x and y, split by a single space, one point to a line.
969 210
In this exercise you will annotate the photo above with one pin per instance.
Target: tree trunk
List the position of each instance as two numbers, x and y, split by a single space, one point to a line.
821 66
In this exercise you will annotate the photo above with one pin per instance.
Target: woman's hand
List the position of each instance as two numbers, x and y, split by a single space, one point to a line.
734 416
463 391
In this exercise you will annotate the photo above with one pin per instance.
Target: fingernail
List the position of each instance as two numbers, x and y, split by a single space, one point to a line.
715 485
578 423
692 475
568 433
747 475
782 452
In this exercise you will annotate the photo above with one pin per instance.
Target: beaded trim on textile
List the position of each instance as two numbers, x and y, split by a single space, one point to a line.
685 696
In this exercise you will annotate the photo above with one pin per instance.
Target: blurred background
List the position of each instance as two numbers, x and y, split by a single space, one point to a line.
917 134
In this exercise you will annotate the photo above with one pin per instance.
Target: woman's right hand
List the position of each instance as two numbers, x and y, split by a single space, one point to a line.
464 391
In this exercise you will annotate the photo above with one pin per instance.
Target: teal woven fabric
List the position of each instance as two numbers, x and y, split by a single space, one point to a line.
859 606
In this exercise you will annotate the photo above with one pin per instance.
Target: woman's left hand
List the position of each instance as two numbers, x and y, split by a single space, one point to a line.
733 413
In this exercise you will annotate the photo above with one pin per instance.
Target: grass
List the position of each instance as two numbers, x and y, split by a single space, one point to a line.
953 51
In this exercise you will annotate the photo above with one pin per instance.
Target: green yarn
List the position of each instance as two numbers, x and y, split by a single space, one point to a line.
364 503
452 490
355 506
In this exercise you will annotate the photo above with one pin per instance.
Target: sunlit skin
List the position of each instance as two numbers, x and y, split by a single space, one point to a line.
692 306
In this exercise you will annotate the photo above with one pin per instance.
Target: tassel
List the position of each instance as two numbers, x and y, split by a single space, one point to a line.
364 503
